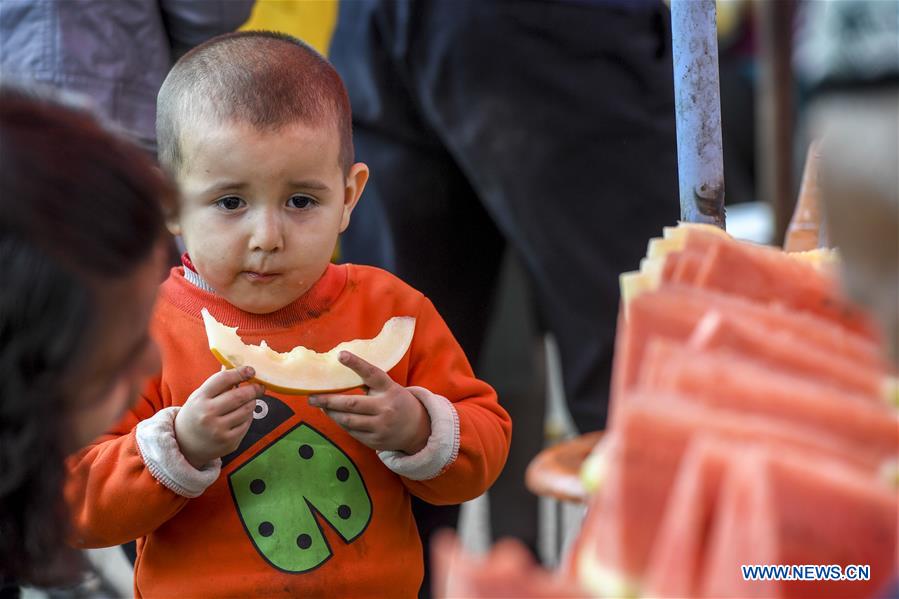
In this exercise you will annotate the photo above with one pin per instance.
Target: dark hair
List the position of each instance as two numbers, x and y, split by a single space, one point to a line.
80 208
262 78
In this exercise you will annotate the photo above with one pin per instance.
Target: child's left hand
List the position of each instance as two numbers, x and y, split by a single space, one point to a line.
388 417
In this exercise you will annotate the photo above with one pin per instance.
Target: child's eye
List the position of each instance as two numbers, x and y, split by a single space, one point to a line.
230 203
300 201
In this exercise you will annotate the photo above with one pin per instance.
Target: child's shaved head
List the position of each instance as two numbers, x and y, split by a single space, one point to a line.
264 79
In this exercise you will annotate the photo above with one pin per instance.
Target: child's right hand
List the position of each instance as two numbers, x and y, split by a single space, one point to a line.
215 418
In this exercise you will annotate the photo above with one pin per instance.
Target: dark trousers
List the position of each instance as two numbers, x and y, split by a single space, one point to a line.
545 125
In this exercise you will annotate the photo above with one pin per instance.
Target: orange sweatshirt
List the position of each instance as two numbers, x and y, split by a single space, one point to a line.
300 508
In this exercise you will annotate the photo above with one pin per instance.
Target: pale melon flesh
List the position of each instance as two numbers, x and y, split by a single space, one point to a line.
302 371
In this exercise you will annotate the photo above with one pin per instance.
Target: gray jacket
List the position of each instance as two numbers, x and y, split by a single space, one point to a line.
115 52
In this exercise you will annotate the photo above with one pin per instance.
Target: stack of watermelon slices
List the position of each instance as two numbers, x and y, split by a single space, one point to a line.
749 426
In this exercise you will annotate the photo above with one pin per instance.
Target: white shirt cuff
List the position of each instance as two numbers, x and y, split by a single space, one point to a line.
160 451
442 448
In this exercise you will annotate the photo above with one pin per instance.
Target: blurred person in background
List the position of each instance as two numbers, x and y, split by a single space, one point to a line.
114 53
74 308
547 127
844 50
737 73
111 56
847 63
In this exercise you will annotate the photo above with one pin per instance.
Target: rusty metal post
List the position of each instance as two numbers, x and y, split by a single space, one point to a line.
774 111
697 101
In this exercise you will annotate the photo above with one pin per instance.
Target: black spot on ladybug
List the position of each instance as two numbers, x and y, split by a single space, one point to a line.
306 451
257 486
266 529
344 511
343 474
304 541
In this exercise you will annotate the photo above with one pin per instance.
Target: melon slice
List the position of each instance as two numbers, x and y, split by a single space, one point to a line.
653 267
769 275
785 350
649 438
674 311
707 257
675 563
301 371
730 381
775 507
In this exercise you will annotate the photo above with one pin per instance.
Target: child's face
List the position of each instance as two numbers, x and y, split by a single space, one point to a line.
261 210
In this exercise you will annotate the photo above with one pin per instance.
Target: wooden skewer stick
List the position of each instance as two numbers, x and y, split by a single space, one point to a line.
806 229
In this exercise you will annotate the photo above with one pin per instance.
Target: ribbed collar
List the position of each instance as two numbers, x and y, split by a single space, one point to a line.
192 296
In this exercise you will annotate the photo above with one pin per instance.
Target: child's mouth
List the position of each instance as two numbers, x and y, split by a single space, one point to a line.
260 277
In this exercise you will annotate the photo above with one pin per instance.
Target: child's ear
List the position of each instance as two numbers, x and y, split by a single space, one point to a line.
172 223
355 183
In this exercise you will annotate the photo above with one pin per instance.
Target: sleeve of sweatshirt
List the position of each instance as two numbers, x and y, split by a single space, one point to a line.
470 431
133 479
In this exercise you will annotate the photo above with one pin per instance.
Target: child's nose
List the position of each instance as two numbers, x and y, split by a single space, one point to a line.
267 232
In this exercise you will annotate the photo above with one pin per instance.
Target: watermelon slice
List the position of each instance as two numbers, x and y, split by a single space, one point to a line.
784 350
676 559
731 381
709 259
769 275
674 311
684 267
779 508
507 570
650 437
676 267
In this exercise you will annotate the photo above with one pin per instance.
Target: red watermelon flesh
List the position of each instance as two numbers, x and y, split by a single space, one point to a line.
676 559
730 381
786 350
682 267
651 314
649 439
673 312
779 508
768 275
619 527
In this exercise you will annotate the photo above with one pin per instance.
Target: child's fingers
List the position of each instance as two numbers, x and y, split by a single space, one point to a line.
373 377
356 404
220 382
240 416
234 399
352 422
242 427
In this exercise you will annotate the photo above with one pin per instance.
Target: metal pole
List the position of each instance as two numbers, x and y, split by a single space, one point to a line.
774 111
697 101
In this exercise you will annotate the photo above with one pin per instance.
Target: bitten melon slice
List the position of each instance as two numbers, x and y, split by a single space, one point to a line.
301 371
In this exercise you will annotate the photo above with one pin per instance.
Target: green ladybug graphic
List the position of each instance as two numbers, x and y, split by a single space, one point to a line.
279 491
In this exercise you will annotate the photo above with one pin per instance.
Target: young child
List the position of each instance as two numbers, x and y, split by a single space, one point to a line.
236 490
